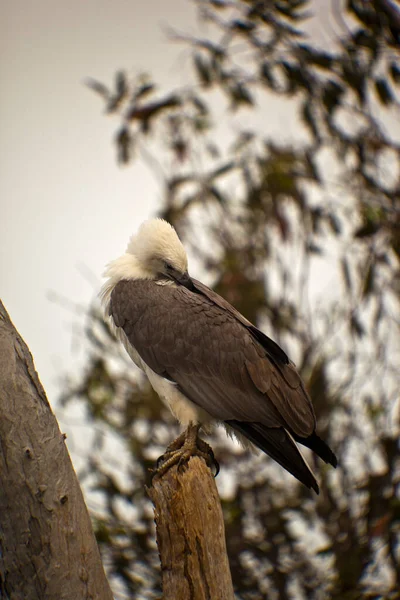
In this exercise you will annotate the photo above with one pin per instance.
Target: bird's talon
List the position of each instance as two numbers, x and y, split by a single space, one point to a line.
159 462
183 464
153 473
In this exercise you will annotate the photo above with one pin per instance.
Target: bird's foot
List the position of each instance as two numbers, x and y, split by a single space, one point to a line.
180 451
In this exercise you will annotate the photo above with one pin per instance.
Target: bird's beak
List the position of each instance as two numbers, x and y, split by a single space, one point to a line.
183 279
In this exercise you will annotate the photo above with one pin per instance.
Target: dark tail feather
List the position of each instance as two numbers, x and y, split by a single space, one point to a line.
318 446
278 444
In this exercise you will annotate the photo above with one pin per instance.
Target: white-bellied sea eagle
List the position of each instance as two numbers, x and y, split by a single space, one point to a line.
204 359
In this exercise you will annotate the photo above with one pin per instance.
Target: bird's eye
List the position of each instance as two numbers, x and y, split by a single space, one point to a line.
168 266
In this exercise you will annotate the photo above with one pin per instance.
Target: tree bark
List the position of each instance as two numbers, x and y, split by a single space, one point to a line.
47 547
191 535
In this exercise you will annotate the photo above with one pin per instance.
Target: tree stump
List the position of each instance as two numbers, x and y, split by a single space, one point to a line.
191 534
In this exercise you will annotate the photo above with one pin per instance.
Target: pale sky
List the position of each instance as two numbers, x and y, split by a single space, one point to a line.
64 201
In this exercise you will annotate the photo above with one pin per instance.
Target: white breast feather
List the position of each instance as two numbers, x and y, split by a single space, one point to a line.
185 411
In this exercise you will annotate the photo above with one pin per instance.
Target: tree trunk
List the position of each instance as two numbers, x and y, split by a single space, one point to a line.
191 535
47 547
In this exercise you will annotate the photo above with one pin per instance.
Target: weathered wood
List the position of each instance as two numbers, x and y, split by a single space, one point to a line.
47 547
191 535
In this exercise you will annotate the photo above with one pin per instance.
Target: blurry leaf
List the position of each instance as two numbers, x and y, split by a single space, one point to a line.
312 56
124 143
121 92
180 149
375 411
201 123
395 72
368 287
98 87
267 76
309 119
242 26
226 168
219 3
146 112
293 10
215 192
353 75
121 85
243 141
240 94
144 90
316 214
383 258
370 227
176 181
199 104
366 39
363 11
384 92
213 151
332 95
346 274
283 224
312 167
318 387
297 77
356 326
334 223
313 248
203 69
102 533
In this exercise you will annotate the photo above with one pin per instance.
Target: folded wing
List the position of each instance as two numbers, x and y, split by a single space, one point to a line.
221 362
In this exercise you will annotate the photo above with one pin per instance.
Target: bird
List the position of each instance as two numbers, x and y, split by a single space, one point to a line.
204 359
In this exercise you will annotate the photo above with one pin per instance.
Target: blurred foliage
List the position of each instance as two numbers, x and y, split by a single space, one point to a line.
266 219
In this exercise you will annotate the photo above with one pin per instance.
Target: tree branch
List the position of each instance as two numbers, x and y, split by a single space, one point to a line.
191 535
47 547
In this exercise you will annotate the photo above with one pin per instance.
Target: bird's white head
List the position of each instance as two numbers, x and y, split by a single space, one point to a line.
156 245
155 251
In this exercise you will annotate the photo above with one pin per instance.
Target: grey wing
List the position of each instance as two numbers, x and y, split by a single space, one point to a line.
210 354
294 404
270 346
